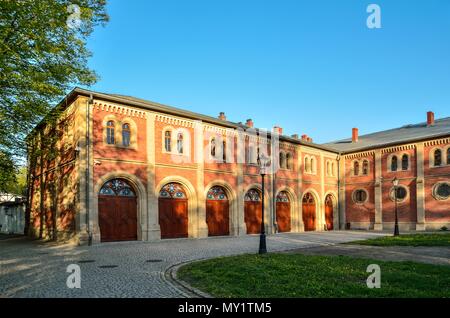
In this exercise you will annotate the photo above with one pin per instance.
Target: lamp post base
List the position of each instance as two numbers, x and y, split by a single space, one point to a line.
396 230
262 244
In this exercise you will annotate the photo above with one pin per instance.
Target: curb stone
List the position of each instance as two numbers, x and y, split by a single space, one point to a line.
171 275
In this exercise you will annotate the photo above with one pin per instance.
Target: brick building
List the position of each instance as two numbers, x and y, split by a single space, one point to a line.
112 167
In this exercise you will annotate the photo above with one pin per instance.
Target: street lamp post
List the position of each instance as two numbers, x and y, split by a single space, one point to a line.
395 183
262 162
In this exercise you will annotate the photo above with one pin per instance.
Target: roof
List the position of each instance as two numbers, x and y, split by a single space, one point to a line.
392 137
145 104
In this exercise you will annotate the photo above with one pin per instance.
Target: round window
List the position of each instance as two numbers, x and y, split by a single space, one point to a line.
401 195
441 191
360 196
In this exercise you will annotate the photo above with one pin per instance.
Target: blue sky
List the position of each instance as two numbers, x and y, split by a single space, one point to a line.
309 66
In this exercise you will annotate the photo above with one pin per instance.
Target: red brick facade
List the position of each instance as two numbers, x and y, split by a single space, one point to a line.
89 162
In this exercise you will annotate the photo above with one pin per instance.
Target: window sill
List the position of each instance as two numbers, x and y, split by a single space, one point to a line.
397 171
121 147
176 154
441 166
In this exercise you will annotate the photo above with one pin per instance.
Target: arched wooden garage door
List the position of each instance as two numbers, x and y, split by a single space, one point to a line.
252 211
309 212
217 212
329 212
117 211
283 212
173 211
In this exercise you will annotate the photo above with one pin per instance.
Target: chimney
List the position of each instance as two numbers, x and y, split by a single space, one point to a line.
430 119
222 116
295 136
249 123
355 135
309 139
305 137
278 130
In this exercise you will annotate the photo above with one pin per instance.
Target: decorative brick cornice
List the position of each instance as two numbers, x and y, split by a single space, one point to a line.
360 155
437 142
289 146
219 130
119 109
174 121
398 148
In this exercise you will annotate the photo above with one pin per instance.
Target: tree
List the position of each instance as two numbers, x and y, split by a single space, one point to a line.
7 173
42 55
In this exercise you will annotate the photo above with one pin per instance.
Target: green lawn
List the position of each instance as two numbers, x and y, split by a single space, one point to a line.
433 239
297 275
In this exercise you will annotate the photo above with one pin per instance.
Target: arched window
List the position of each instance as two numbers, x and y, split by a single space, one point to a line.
307 165
252 154
252 195
365 168
394 163
117 187
308 198
437 157
180 143
172 191
405 162
110 140
213 147
288 161
282 160
168 141
224 151
313 165
216 193
328 168
126 135
448 156
332 169
282 197
356 168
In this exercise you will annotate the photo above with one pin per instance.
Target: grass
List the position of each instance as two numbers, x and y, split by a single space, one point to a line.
434 239
297 275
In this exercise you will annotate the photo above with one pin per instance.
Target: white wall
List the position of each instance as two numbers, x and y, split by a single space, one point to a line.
14 222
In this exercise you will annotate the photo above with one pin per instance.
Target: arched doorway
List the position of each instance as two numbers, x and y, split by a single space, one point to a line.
117 211
329 206
309 212
252 211
173 211
283 212
217 212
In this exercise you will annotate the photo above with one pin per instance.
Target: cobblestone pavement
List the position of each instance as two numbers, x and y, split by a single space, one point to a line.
36 269
436 255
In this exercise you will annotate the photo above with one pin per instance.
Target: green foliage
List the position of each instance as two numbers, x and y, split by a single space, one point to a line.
14 181
431 239
7 173
41 58
297 275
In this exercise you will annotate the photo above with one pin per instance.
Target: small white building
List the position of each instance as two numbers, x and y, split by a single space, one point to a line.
12 213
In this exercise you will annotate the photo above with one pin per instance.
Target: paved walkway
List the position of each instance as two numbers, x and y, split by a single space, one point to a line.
423 254
34 269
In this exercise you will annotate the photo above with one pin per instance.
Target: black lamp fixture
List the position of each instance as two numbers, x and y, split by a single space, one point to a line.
263 162
395 182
